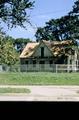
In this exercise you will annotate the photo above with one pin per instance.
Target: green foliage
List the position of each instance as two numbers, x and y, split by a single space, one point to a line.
75 10
14 90
75 14
21 40
14 12
64 28
57 29
39 78
8 54
20 43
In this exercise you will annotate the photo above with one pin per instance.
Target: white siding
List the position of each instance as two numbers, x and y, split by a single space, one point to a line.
47 52
74 60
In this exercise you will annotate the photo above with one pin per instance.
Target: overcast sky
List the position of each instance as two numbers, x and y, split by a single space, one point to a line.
43 11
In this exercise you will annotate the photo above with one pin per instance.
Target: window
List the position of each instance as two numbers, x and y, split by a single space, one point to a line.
42 52
70 61
42 64
50 62
34 63
66 60
76 62
26 62
22 61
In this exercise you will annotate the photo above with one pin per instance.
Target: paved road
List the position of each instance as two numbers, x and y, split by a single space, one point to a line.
43 93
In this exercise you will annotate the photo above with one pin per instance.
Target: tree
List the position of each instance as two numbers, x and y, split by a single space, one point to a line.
75 10
64 28
58 29
41 34
75 14
14 12
20 43
8 54
2 42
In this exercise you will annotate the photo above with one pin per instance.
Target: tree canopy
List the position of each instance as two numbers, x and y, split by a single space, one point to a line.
14 12
75 10
20 43
8 54
75 13
64 28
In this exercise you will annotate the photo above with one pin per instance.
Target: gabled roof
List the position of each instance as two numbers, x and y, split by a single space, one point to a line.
44 45
56 47
28 50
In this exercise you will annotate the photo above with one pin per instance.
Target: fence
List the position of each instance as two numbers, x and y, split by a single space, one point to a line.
40 68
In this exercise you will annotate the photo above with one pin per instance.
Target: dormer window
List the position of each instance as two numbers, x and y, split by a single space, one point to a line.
42 52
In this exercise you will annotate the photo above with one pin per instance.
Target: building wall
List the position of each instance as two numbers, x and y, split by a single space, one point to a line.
47 52
38 67
48 56
30 60
73 61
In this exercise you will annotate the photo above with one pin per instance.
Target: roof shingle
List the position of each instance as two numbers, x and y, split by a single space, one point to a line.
56 47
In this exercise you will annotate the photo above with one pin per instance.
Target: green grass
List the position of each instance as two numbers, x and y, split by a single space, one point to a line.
14 90
39 78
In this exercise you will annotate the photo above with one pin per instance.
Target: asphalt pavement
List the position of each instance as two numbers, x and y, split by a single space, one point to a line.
42 93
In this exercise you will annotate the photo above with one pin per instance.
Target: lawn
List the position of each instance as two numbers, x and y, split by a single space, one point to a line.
14 90
39 78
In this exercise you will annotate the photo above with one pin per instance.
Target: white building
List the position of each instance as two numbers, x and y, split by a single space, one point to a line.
45 55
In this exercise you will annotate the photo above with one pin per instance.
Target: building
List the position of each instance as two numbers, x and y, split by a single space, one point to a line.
45 55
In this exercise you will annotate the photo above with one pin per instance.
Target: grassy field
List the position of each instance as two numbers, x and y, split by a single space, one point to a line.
39 78
14 90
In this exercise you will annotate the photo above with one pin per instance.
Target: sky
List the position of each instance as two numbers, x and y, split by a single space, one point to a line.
43 11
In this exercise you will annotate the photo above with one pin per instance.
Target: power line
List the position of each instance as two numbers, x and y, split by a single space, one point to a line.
51 12
34 26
